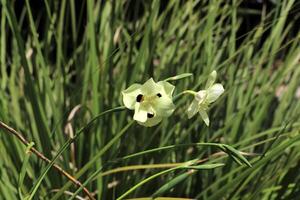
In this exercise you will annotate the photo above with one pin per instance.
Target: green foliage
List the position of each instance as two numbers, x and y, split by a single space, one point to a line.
63 65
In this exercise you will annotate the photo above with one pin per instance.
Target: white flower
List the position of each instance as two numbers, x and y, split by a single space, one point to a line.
204 98
151 101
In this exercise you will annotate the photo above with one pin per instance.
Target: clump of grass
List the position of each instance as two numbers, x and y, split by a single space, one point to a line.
57 56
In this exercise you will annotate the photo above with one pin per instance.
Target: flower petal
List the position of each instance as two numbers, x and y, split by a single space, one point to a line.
140 113
214 92
130 94
167 87
211 79
164 106
201 96
150 88
192 109
151 121
204 116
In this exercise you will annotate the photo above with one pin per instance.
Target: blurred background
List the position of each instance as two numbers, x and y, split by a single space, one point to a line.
65 62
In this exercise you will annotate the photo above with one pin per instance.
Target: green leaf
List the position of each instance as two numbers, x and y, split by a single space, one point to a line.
24 168
170 184
236 155
205 166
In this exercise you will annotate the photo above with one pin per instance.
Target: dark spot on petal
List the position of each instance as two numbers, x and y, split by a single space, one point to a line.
158 94
139 98
150 115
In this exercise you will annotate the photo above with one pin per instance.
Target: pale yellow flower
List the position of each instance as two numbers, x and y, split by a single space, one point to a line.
151 101
204 98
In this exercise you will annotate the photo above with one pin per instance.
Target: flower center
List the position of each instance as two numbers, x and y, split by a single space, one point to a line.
147 99
201 96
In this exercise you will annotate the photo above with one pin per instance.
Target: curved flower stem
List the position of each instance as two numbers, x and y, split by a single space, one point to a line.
184 92
189 92
43 157
68 143
100 153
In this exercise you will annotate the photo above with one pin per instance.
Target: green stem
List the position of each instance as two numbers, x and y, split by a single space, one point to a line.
189 92
184 92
